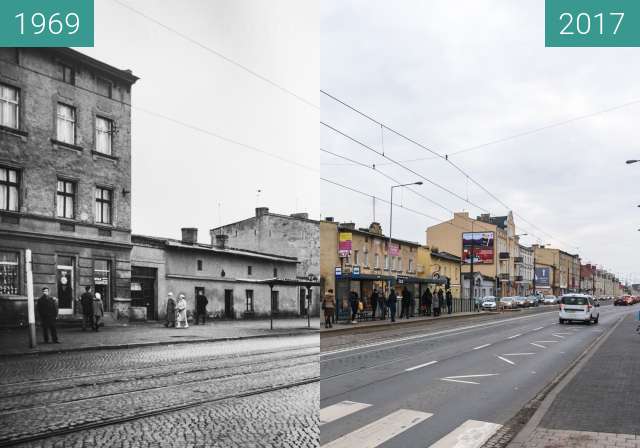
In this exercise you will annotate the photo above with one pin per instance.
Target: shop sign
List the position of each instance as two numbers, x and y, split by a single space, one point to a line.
338 272
401 279
355 271
101 280
136 286
394 250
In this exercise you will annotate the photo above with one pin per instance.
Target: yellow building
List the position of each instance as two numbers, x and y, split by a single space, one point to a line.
434 264
564 269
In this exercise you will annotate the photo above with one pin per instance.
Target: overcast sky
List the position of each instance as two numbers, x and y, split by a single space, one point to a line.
180 175
454 77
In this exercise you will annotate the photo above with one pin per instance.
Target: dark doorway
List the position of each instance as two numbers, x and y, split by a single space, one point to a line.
228 304
303 301
143 289
274 302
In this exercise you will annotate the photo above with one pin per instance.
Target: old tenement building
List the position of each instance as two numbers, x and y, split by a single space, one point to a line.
65 177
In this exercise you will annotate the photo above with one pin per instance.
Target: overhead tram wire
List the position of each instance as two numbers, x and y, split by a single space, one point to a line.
443 157
217 53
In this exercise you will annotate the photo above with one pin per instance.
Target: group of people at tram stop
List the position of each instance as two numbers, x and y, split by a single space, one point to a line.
177 310
383 305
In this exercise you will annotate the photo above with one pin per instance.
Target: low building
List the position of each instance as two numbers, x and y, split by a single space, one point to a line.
432 263
483 285
232 279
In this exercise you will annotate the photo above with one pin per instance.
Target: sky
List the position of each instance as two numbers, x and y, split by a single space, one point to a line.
183 177
452 78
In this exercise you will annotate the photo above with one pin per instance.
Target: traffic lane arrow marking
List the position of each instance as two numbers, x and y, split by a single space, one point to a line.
465 378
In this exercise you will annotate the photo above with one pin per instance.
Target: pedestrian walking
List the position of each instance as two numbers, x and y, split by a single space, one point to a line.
391 303
374 303
449 298
86 304
48 311
440 300
98 311
171 311
181 312
201 307
353 303
329 306
428 301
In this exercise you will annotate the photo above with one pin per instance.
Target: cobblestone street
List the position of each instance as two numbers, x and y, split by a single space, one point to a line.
261 392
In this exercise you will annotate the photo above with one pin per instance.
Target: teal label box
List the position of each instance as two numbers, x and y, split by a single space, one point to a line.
592 23
46 23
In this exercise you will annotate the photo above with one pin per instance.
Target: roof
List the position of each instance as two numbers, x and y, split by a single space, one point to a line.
278 215
177 244
375 235
446 256
123 75
484 277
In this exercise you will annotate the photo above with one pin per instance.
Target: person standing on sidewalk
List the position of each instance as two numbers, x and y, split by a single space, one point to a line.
436 305
181 312
449 301
201 307
391 303
98 311
406 300
48 311
382 304
353 303
440 300
428 300
171 311
374 303
329 306
86 303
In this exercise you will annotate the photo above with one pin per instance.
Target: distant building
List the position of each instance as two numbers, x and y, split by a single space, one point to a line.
289 235
231 278
65 177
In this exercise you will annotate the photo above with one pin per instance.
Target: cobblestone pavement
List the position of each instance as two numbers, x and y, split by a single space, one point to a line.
15 341
555 438
77 391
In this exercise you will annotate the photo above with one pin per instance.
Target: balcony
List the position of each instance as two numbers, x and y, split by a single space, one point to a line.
504 255
518 260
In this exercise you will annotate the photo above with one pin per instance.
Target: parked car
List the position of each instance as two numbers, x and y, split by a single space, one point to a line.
624 301
550 300
489 303
578 307
508 302
521 302
533 300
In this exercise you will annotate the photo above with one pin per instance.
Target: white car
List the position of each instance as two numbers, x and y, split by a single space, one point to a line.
489 303
578 307
550 300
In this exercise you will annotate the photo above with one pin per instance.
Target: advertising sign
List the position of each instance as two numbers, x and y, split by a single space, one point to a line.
394 250
344 244
479 245
542 277
356 271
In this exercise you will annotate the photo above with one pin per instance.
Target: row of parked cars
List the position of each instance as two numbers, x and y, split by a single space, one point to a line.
491 303
626 300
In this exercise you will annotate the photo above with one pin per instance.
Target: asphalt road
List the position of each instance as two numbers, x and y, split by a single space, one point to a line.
460 380
260 393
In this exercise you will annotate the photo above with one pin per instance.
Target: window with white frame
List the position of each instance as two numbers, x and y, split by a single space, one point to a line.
9 189
410 265
356 257
386 262
66 124
9 272
377 261
104 135
65 198
103 205
9 106
366 258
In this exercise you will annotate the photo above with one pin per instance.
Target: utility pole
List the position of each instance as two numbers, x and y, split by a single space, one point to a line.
30 301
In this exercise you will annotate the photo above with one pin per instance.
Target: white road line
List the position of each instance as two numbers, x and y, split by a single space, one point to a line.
471 434
536 329
514 336
339 410
558 335
481 346
376 433
517 354
458 381
480 375
506 360
549 342
410 369
537 345
562 333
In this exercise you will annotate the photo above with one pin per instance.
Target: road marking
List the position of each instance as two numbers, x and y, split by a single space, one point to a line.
459 381
536 329
376 433
517 354
479 375
557 335
537 345
514 336
562 333
339 410
410 369
549 342
506 360
471 434
481 346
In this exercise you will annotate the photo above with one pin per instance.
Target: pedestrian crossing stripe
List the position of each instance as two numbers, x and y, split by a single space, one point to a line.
339 410
471 434
376 433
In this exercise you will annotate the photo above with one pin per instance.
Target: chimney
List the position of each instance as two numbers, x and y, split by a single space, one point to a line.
300 215
261 211
376 228
189 235
349 225
329 219
221 241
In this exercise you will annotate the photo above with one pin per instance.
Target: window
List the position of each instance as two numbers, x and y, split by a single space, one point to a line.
410 265
103 205
9 106
66 198
377 259
68 74
356 257
104 135
9 188
366 259
386 262
249 269
9 272
274 301
199 265
249 294
66 128
103 87
275 272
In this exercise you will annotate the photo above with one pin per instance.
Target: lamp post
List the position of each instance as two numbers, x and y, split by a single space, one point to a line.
391 220
629 162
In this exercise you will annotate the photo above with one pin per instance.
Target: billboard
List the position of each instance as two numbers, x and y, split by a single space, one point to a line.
479 245
344 244
542 275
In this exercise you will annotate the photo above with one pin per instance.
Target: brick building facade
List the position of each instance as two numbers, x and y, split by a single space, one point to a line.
65 177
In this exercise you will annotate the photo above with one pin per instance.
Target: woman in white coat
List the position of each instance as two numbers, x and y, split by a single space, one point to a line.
181 312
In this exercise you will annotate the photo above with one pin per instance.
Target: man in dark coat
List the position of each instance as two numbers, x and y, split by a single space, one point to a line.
440 300
374 303
391 303
86 303
428 301
406 301
449 298
353 303
48 312
201 307
382 304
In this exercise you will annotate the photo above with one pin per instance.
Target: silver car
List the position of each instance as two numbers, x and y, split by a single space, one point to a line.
489 303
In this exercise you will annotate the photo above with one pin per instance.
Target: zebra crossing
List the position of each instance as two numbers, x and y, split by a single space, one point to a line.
470 434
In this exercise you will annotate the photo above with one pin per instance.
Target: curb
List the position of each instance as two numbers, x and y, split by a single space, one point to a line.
157 343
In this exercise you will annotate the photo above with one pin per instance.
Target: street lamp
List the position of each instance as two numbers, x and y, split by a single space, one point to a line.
629 162
391 220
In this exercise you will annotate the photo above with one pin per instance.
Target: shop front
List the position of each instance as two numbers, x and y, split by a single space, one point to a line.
363 285
416 287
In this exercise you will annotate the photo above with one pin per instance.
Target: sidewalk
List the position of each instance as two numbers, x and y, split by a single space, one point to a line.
600 406
16 341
